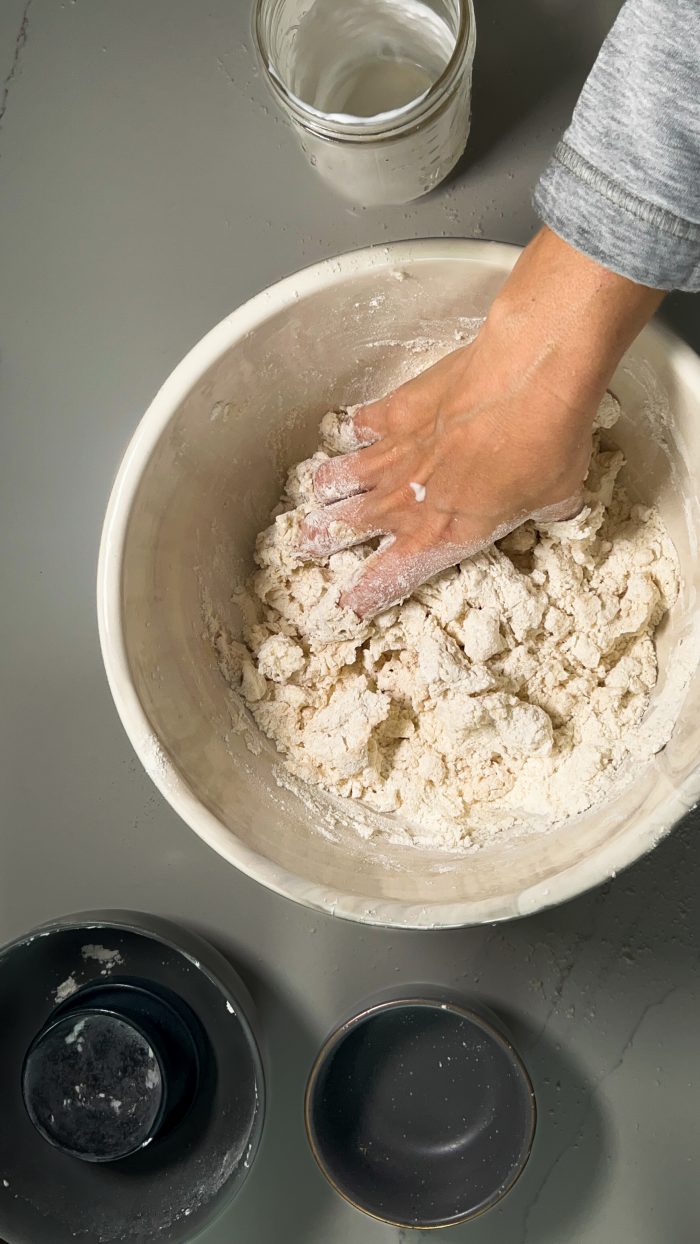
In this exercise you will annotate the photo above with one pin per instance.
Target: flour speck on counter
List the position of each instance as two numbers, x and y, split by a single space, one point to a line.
510 690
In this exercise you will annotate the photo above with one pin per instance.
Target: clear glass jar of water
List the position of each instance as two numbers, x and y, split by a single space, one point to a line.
378 91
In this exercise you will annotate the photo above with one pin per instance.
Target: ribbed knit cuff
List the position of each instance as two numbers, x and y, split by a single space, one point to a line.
621 231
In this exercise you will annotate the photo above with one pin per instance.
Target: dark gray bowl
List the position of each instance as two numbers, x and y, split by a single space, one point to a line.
420 1112
192 1158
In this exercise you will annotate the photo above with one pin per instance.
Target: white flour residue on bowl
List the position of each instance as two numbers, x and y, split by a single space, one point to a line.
108 959
656 420
66 989
157 764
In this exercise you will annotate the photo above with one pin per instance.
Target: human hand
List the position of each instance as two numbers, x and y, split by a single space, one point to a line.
493 434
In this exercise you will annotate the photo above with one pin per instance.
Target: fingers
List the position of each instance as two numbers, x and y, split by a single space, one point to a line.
352 428
343 477
393 573
361 471
339 526
350 435
369 422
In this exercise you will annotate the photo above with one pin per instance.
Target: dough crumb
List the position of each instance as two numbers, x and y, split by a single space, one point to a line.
509 689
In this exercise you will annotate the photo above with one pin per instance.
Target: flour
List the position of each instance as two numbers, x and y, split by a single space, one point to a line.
109 959
67 987
511 688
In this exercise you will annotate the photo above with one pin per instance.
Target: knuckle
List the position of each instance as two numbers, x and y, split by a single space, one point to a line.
397 411
323 477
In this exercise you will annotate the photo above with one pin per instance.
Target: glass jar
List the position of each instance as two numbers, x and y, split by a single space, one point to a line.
378 91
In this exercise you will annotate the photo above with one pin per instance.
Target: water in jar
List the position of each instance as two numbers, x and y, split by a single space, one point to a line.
368 58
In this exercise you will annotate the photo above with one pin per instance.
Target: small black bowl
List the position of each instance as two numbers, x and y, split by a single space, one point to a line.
112 1069
94 1086
420 1112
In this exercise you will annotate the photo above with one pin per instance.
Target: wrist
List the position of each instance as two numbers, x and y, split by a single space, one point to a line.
566 320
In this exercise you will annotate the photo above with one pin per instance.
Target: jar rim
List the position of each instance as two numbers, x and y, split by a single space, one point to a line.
380 125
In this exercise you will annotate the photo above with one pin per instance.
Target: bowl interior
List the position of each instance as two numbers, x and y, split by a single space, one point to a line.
93 1086
420 1114
199 482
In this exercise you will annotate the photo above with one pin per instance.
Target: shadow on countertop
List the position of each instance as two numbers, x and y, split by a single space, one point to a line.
284 1193
525 54
570 1114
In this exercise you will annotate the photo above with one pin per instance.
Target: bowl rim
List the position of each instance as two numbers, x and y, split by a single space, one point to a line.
413 1001
382 126
610 857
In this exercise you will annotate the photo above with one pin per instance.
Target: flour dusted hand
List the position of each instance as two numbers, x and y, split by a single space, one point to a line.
493 434
512 685
452 460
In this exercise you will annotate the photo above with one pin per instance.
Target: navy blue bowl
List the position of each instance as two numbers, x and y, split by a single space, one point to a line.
420 1113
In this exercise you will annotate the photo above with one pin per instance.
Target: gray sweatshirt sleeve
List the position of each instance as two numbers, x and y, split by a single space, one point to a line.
623 185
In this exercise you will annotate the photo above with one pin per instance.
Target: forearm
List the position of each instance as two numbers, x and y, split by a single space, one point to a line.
623 185
567 317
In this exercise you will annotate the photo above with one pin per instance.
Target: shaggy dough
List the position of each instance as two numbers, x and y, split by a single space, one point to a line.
507 689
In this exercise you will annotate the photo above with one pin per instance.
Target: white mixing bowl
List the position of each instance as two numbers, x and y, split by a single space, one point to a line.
198 482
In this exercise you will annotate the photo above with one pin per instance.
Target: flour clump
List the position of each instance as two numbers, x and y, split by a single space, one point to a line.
507 690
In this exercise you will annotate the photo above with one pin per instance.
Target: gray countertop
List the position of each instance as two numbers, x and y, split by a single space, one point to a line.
147 187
